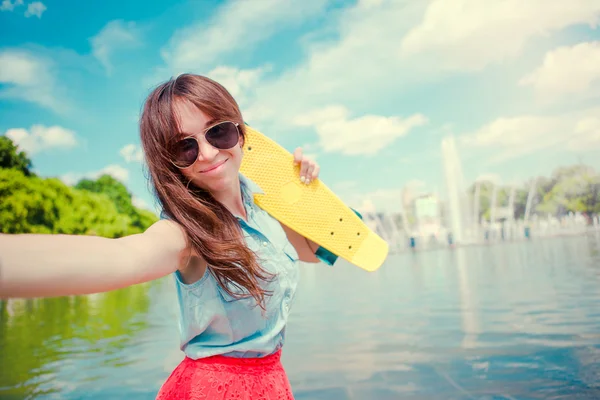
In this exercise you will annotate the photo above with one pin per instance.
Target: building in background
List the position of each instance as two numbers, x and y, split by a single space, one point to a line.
427 210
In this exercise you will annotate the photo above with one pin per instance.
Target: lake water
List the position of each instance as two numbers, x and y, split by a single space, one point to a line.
507 321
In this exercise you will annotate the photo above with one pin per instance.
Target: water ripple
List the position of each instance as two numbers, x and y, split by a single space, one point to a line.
514 321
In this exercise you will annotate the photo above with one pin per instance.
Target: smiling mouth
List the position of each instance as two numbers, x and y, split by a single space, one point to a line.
214 167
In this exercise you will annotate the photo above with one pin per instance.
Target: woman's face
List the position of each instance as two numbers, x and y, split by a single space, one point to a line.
215 170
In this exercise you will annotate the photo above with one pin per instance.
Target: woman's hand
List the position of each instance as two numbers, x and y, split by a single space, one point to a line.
309 169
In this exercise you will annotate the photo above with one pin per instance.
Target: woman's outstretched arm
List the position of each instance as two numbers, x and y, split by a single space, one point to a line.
39 265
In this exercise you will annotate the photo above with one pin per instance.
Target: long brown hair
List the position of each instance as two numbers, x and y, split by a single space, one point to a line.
211 228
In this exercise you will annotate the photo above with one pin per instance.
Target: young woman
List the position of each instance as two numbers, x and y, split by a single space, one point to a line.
235 266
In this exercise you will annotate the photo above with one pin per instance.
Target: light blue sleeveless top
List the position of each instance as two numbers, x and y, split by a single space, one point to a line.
212 322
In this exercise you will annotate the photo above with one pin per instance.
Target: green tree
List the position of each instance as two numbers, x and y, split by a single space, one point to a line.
115 190
30 204
521 201
486 191
47 205
138 219
572 189
12 158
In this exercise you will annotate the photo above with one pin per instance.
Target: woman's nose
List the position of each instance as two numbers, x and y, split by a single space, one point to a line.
206 151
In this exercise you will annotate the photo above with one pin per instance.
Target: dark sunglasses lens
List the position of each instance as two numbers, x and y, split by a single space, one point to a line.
223 136
186 152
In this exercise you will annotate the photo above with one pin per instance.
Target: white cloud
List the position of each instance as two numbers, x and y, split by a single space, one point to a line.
237 26
8 5
28 77
489 177
20 68
470 34
513 131
355 67
238 81
587 135
361 201
113 170
375 52
366 134
416 186
382 199
132 153
344 186
115 35
40 138
116 171
35 8
512 137
567 71
141 203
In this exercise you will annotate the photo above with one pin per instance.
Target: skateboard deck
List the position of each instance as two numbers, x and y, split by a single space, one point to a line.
313 210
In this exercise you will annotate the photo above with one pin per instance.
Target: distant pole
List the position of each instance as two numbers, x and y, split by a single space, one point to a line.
493 204
529 201
511 210
511 202
476 206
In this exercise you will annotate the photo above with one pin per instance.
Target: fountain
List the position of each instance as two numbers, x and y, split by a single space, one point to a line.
459 213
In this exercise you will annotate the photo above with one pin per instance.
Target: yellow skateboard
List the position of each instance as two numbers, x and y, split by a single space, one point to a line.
312 210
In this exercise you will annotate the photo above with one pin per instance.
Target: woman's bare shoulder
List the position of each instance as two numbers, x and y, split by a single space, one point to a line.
175 234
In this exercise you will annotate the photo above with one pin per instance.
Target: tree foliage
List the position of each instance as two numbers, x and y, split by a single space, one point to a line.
12 158
573 188
31 204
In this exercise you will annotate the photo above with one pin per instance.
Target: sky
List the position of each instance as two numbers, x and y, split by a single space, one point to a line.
368 88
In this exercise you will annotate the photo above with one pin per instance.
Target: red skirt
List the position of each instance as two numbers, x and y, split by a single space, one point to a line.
220 377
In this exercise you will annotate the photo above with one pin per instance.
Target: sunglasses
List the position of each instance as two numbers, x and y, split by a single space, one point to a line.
223 136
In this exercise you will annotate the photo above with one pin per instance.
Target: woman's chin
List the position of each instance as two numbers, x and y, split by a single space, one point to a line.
218 184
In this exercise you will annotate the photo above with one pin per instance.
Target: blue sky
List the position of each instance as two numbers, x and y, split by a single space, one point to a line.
369 88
